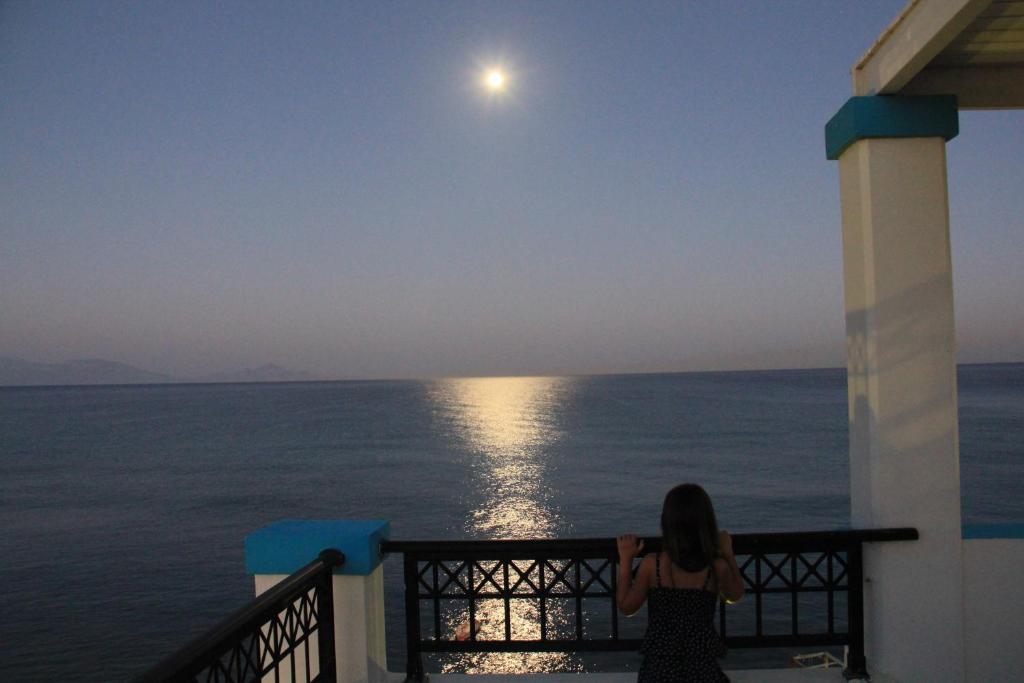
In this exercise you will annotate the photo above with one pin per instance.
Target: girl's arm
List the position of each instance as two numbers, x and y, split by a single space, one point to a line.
630 594
730 581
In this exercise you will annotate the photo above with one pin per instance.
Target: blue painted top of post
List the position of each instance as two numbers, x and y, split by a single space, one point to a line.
285 546
891 116
997 530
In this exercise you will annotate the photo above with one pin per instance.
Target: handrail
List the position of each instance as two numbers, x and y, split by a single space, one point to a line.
543 572
741 542
232 637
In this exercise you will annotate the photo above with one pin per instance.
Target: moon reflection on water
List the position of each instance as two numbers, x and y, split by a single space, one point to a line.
507 424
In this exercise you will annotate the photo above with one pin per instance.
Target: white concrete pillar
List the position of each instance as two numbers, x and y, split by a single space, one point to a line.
993 595
358 585
901 374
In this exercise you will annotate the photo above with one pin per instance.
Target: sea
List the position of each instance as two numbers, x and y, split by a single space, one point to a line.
123 509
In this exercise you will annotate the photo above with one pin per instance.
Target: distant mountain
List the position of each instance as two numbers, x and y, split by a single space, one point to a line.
264 373
15 372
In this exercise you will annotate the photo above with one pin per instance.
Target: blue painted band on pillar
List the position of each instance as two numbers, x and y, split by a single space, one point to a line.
283 547
997 530
891 116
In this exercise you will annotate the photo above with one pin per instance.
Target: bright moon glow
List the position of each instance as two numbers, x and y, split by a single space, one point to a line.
495 80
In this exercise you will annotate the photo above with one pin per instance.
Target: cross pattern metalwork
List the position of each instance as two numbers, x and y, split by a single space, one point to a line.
523 584
259 653
795 576
792 574
513 579
460 595
287 634
802 589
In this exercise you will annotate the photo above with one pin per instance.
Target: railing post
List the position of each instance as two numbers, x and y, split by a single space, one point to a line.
856 662
414 658
357 587
325 618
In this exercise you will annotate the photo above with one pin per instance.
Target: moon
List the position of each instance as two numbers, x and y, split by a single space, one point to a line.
495 80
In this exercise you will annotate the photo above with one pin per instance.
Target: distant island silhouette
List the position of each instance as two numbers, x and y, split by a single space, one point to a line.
90 371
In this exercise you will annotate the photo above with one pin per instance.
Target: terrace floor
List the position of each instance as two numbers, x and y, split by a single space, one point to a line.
833 675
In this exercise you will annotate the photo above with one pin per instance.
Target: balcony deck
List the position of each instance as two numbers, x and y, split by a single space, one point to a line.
833 675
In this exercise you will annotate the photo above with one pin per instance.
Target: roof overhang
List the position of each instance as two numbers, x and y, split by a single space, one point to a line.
973 49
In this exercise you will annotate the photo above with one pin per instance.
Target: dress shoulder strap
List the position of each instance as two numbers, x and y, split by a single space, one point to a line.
657 568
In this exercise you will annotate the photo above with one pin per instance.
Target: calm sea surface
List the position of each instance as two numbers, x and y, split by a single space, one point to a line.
123 509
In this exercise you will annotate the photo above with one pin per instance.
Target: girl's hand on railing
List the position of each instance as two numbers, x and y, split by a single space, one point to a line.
629 547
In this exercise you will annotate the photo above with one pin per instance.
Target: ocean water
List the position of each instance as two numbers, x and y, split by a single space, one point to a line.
123 509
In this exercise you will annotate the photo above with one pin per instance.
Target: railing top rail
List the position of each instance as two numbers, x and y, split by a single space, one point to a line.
248 617
743 543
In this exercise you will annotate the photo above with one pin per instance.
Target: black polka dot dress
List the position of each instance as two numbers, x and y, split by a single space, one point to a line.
681 644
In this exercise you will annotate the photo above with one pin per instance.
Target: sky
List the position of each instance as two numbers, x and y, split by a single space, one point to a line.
197 187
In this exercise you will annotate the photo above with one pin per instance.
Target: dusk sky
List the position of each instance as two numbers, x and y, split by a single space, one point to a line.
196 187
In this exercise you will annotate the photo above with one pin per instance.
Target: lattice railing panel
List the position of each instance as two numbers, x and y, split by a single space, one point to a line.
285 634
802 589
286 638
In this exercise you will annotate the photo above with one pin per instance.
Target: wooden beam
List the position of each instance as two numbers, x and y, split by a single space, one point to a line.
976 87
923 29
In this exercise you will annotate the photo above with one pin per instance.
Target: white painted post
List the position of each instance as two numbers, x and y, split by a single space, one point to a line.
904 452
358 585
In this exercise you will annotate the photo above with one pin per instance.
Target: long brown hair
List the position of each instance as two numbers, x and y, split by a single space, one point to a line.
688 528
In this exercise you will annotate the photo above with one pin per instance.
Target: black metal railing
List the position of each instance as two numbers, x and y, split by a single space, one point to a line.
287 633
558 595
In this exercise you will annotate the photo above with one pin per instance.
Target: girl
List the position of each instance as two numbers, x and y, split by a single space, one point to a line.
683 583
